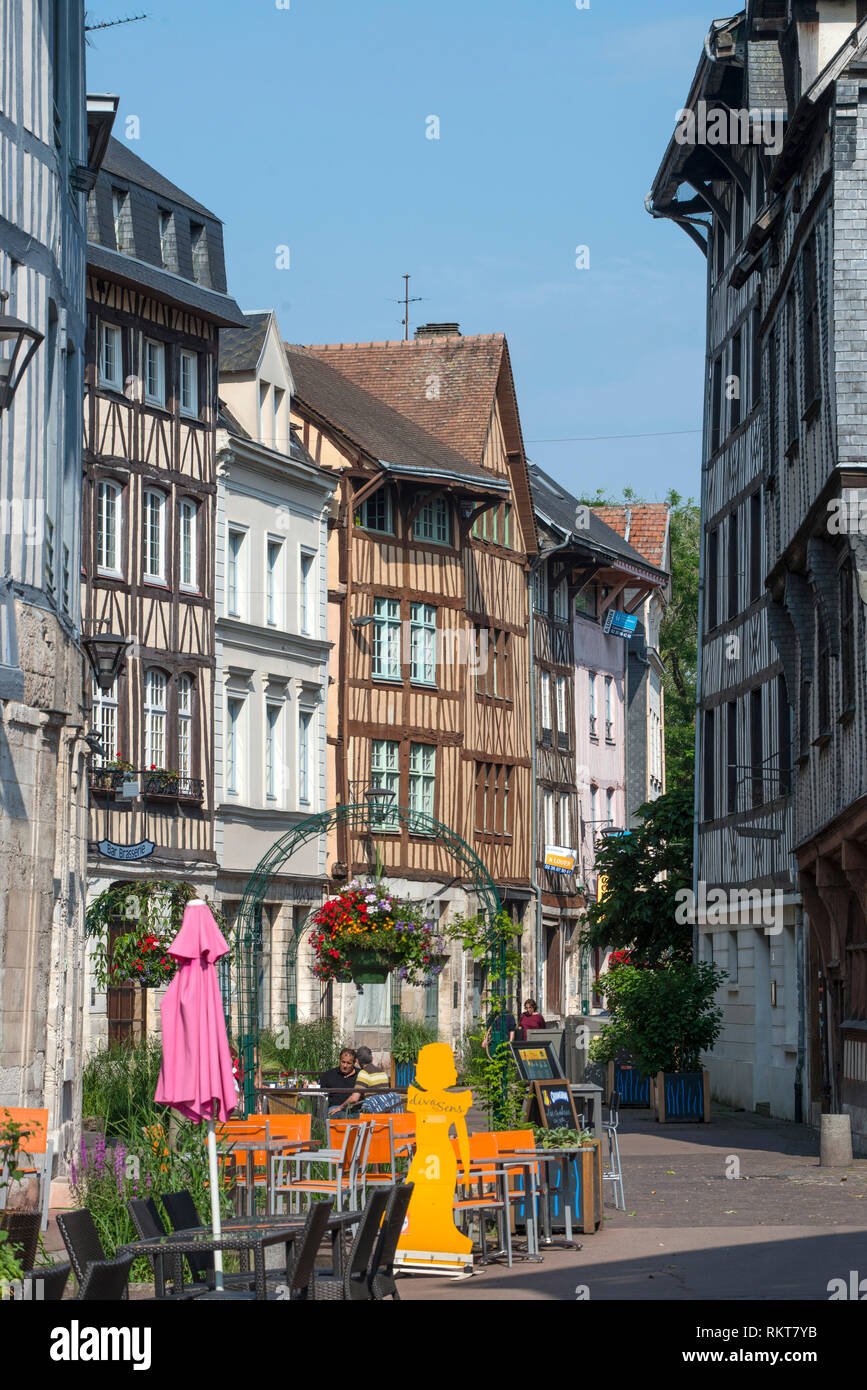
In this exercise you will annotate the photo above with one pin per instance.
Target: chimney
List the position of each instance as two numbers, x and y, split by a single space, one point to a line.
438 330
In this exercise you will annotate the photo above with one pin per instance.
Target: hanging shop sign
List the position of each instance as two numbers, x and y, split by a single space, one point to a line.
109 850
560 860
619 624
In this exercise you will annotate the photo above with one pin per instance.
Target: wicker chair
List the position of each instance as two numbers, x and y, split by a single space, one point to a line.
354 1287
98 1278
183 1214
382 1281
148 1223
301 1282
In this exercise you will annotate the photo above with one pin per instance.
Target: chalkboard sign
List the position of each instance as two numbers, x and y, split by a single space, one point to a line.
555 1105
536 1061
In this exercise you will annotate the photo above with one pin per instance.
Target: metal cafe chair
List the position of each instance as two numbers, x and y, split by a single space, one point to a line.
612 1172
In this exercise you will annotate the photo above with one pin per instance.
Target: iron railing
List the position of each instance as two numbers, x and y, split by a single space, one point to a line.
108 780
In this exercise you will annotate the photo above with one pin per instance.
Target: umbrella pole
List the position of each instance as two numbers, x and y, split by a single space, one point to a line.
215 1198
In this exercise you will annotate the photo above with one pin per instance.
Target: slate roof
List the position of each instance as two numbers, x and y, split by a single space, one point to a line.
119 159
399 373
372 425
241 348
766 83
174 289
227 421
647 524
555 503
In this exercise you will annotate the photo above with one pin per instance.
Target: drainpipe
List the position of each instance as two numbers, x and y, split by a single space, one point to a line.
800 967
534 800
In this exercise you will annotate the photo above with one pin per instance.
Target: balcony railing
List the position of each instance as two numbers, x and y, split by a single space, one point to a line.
166 786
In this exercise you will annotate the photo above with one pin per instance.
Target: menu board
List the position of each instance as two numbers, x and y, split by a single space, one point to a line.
555 1105
536 1061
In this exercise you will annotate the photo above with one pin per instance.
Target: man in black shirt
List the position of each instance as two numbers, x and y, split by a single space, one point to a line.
339 1081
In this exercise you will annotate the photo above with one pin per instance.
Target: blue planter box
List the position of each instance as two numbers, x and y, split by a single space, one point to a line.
636 1091
683 1096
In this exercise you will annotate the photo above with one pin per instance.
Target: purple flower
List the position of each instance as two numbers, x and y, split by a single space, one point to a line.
99 1153
73 1173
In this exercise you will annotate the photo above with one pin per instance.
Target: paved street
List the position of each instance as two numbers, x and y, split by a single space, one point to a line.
781 1231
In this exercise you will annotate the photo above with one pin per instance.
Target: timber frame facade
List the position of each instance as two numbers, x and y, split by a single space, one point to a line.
149 508
427 588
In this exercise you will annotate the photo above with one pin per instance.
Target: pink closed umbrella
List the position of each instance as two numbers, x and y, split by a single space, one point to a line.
196 1074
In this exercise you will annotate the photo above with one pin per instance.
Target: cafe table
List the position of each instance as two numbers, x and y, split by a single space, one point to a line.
502 1169
586 1093
244 1235
544 1157
269 1147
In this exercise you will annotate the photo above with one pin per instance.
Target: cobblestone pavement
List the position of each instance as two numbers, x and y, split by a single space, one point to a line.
781 1230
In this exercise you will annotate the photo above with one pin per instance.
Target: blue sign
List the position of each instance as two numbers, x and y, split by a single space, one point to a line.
620 624
142 850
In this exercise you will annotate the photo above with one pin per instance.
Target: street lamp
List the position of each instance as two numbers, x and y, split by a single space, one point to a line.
105 652
18 333
362 622
378 800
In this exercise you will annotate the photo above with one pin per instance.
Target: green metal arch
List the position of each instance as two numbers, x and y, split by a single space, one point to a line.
356 817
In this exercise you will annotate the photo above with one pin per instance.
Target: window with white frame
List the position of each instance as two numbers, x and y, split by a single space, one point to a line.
154 372
609 709
540 590
305 720
591 702
235 586
105 722
273 582
166 238
189 556
308 578
545 684
155 719
189 383
422 775
423 642
561 601
110 357
386 638
562 711
565 820
279 427
548 808
385 773
154 535
432 522
234 744
185 726
273 714
120 216
375 513
108 527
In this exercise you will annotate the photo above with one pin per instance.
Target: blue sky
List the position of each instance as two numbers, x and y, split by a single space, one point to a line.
306 127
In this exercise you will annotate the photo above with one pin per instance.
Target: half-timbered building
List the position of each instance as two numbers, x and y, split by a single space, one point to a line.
583 570
427 589
272 657
156 299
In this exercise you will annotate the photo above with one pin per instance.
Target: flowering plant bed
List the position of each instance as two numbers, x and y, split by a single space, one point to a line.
365 931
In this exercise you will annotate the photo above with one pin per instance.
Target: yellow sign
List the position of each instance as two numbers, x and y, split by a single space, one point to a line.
430 1239
560 859
601 887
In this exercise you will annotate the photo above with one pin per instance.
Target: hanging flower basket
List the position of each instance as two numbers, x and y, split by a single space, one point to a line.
369 968
366 931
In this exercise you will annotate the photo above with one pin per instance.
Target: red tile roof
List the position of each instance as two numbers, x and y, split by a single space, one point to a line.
644 525
447 385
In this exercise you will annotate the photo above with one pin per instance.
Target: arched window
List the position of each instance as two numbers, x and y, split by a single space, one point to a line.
108 523
105 721
155 719
185 726
154 535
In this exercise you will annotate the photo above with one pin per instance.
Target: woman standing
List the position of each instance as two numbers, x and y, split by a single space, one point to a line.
530 1018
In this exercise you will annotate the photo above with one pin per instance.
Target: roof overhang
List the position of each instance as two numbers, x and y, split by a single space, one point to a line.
162 284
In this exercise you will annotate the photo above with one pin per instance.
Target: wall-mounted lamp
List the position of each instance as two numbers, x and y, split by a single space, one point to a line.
22 338
362 622
105 652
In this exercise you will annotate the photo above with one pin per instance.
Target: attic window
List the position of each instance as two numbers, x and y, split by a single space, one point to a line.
167 239
199 246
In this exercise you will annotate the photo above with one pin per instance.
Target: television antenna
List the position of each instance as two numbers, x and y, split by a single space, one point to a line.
406 301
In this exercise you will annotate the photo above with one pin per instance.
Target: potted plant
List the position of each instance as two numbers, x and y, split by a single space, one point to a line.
366 931
666 1018
574 1180
160 782
19 1226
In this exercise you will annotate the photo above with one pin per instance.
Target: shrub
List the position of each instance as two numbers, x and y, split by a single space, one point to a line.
666 1018
119 1082
409 1036
307 1048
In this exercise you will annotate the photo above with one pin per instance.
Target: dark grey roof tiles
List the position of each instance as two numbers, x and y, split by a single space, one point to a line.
554 502
120 160
174 289
240 348
766 85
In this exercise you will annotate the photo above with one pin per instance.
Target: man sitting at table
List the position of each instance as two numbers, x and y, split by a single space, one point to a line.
339 1082
371 1088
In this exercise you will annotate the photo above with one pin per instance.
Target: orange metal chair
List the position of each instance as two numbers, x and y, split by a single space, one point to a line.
37 1146
512 1141
492 1194
342 1163
256 1128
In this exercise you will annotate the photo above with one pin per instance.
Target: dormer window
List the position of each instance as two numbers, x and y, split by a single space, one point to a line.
375 513
122 225
167 238
199 247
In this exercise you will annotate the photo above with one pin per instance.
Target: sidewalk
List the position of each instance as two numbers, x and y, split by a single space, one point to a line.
781 1230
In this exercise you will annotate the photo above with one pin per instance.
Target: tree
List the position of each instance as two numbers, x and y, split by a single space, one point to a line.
644 869
665 1018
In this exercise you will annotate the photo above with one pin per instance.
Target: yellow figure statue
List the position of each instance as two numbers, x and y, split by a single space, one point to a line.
430 1229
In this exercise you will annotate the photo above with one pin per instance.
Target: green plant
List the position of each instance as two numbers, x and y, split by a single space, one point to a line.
561 1138
153 910
119 1083
408 1038
666 1018
307 1048
499 1090
12 1137
369 917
